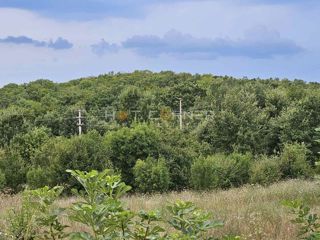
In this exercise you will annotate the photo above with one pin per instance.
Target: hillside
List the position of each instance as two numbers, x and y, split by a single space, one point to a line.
131 116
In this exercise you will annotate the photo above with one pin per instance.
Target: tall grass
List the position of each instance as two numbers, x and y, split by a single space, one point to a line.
253 212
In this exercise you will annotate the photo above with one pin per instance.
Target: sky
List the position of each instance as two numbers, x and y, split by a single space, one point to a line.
62 40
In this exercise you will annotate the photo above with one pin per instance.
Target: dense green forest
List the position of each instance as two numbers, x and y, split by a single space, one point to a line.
235 131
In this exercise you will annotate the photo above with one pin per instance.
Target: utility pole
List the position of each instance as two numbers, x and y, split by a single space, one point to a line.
79 123
180 112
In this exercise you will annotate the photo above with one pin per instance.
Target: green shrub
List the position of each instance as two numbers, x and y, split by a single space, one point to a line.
265 170
101 209
294 162
190 220
2 180
27 144
12 121
220 171
126 145
178 148
14 169
239 168
308 222
85 152
202 172
37 217
151 175
38 177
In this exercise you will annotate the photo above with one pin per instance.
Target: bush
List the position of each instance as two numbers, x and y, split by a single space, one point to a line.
151 175
294 162
85 152
14 169
2 180
179 148
202 172
37 217
126 145
265 171
38 177
27 144
220 171
308 222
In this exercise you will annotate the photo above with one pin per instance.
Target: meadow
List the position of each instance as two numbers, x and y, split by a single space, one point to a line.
252 212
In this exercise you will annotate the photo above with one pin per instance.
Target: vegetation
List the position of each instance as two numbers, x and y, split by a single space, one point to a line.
309 222
127 121
220 171
151 175
100 209
252 212
265 171
234 132
293 161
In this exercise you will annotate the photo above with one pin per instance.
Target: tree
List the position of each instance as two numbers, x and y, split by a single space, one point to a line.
125 146
27 144
179 149
240 125
14 169
12 122
85 152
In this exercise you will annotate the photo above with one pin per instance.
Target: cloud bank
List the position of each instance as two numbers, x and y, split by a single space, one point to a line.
258 43
87 9
58 44
97 9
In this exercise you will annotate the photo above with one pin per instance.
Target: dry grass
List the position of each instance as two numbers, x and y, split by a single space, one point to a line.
253 212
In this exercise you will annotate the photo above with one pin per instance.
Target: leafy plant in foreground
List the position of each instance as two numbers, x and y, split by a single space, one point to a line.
146 227
309 223
102 211
190 220
103 215
37 218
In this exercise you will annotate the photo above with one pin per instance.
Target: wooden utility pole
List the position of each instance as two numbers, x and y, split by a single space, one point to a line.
79 123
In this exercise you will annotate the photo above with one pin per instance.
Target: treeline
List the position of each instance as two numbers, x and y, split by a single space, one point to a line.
260 131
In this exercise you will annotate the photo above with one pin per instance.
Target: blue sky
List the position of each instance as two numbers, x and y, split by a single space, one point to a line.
62 40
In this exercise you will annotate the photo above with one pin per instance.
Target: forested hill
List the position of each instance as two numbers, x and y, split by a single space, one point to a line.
220 114
255 115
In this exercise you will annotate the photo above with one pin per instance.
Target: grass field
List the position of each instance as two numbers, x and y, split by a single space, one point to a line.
252 212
